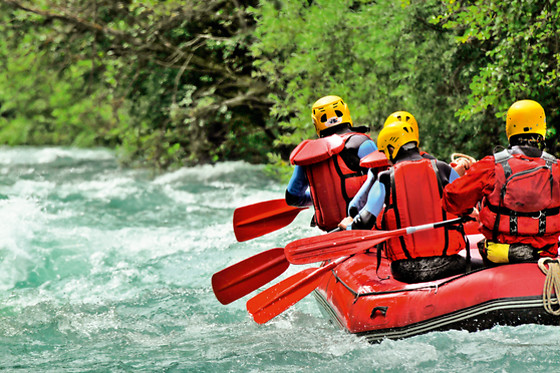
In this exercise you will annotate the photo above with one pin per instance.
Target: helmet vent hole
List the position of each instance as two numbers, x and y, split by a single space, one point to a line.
324 118
338 113
526 129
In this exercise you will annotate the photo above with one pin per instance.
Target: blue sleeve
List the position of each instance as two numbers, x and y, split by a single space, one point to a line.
367 147
374 204
299 187
376 198
453 175
359 200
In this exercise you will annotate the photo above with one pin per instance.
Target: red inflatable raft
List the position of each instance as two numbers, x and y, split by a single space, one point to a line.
363 302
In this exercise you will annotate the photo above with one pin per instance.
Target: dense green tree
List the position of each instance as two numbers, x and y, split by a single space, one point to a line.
380 56
518 44
42 101
456 65
179 70
175 82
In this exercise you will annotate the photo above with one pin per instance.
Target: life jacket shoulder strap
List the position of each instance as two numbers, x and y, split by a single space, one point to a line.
436 170
502 158
314 151
549 159
375 159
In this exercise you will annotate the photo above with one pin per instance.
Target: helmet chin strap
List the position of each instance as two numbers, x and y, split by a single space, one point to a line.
390 150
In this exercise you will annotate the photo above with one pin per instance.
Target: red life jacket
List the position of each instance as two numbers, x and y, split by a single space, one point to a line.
331 182
413 197
525 201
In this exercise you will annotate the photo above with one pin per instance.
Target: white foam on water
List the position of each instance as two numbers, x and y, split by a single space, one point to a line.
206 173
88 324
181 197
35 155
219 185
104 188
29 189
20 221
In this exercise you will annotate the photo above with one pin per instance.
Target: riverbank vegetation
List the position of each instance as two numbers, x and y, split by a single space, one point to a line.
172 83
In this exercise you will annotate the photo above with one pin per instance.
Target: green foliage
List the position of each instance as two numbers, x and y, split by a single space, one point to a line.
42 105
170 82
379 56
519 56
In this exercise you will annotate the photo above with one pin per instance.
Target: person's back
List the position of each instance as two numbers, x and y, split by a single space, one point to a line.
519 192
327 170
411 193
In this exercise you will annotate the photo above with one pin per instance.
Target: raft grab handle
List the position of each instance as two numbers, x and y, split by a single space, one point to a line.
381 309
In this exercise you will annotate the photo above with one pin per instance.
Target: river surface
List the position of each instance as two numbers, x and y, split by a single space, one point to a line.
107 269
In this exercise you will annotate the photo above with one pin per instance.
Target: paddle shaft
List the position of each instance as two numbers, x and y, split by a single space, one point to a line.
290 289
334 245
417 228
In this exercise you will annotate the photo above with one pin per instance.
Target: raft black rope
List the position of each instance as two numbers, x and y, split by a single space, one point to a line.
551 284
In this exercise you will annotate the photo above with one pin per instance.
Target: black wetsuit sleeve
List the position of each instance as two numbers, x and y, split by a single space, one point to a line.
293 200
444 171
350 152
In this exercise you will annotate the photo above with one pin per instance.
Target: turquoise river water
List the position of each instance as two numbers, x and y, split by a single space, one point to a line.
105 269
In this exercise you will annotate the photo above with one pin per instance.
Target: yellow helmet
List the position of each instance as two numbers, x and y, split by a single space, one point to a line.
329 111
395 135
402 116
525 116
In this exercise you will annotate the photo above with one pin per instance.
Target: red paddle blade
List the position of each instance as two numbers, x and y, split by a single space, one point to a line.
334 245
261 218
242 278
273 301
